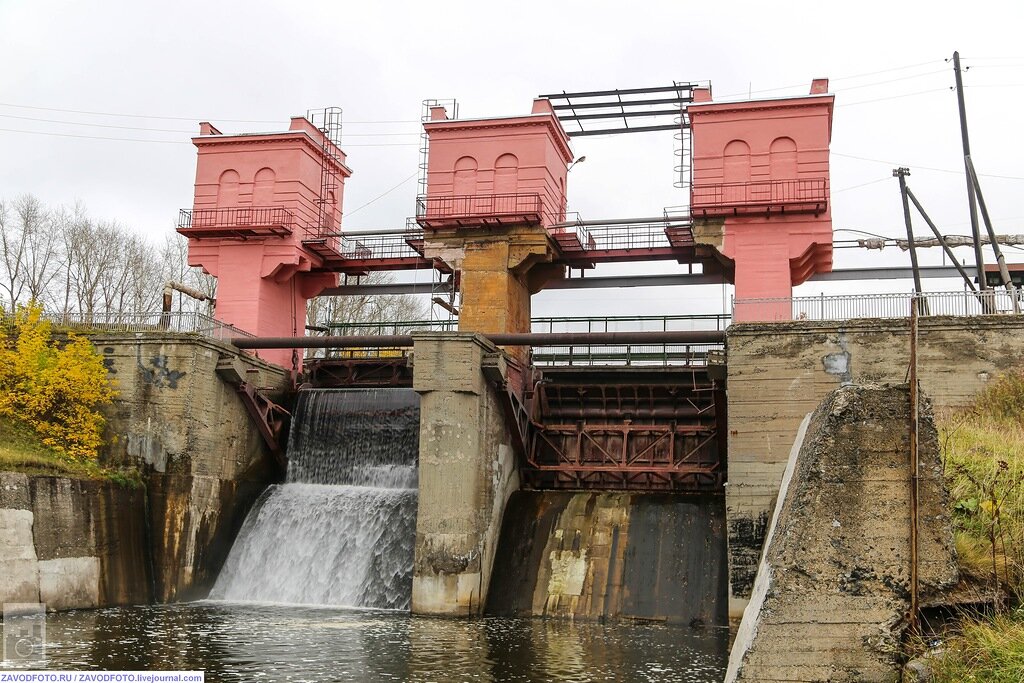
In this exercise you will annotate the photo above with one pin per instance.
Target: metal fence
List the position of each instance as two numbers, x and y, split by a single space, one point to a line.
182 323
851 306
575 355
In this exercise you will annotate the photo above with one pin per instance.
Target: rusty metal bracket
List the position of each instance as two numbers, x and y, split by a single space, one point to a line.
271 420
497 369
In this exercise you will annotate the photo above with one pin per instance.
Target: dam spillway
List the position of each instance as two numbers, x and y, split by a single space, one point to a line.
340 530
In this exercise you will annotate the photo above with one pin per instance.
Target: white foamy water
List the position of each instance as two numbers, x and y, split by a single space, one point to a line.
341 531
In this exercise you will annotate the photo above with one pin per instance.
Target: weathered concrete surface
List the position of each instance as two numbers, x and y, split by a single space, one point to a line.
467 471
203 462
833 589
500 270
594 555
779 372
72 543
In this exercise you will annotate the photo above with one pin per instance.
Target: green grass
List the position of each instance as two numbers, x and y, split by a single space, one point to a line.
991 651
983 455
22 451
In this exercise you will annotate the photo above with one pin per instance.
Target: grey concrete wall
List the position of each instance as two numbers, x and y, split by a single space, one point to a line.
467 471
203 462
833 589
779 372
72 543
612 554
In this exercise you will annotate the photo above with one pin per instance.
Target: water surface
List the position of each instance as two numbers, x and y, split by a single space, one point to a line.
272 643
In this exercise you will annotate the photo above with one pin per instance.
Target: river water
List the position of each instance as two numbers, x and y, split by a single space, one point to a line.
248 642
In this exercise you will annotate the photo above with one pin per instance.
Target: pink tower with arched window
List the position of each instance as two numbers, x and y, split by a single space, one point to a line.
761 172
257 218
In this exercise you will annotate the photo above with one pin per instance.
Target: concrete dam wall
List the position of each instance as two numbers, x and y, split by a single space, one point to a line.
833 589
779 372
71 543
595 555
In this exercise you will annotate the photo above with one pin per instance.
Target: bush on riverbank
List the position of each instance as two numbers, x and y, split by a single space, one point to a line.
54 389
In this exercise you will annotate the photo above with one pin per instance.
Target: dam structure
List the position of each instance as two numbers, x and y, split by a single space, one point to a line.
580 471
633 447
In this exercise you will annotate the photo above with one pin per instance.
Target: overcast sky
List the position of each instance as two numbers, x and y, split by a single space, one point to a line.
146 73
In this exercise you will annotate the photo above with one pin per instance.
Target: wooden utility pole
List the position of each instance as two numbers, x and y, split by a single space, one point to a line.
902 174
972 202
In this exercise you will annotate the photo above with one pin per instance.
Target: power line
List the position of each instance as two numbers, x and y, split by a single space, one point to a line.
382 195
178 118
175 142
923 168
854 187
891 97
175 130
846 78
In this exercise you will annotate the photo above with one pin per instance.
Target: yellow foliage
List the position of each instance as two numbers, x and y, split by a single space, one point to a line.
54 389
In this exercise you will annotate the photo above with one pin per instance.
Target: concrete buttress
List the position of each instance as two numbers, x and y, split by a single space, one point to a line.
467 471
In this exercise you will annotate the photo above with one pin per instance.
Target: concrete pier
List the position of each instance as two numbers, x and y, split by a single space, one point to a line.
467 471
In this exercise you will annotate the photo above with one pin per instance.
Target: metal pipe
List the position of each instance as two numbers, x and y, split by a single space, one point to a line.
520 339
979 258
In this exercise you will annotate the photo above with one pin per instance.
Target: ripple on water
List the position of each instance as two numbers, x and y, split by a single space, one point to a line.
275 643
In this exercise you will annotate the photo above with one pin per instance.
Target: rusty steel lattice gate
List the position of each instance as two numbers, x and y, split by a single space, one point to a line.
608 429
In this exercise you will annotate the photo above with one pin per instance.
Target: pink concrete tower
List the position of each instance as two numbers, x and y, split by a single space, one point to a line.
761 173
494 187
265 205
496 171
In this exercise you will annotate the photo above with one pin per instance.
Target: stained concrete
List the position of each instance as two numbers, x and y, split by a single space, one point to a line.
606 554
72 543
203 462
832 592
467 470
779 372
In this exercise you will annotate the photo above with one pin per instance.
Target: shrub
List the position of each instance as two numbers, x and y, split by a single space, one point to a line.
56 389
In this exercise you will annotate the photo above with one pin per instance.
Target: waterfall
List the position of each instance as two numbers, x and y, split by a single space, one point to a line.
341 530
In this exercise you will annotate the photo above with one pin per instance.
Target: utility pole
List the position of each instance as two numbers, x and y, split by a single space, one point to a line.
972 202
902 173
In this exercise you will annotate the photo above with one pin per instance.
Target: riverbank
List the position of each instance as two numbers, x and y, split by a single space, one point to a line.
983 456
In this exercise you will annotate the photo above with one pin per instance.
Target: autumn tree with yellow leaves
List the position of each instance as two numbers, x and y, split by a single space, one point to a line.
54 386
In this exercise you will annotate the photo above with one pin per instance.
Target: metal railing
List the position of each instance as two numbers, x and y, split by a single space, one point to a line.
479 205
575 355
181 323
247 217
382 246
624 355
758 193
852 306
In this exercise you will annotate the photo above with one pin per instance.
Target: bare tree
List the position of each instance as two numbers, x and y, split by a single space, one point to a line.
365 308
12 254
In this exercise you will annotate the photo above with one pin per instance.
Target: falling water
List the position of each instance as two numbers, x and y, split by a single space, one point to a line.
340 531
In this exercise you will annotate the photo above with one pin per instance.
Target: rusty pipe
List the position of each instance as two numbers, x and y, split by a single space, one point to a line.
516 339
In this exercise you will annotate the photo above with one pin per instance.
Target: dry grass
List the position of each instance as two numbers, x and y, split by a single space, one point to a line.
990 651
983 454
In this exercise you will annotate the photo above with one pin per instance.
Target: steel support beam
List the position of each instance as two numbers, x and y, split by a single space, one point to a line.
523 339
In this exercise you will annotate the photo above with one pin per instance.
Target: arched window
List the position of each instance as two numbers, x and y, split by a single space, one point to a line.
263 188
736 172
227 189
782 159
506 174
465 176
737 162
